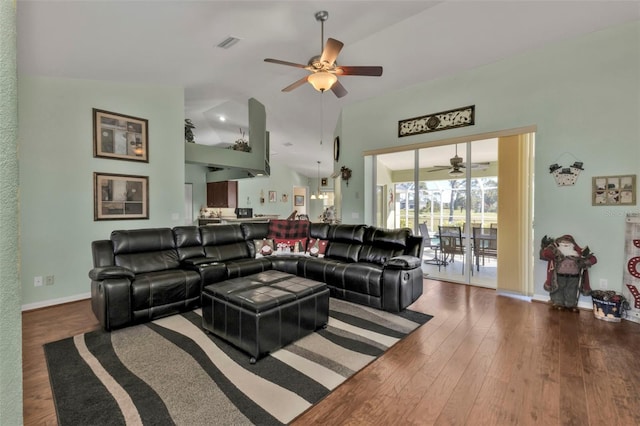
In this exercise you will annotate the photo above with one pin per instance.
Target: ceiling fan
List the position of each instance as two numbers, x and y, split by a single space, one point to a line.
324 68
457 163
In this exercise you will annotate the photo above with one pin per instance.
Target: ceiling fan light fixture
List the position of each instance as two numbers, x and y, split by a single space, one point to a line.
455 172
322 80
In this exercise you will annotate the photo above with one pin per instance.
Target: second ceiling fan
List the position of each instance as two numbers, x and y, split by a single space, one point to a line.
324 68
457 163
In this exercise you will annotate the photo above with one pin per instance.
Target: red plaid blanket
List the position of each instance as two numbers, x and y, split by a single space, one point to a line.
281 228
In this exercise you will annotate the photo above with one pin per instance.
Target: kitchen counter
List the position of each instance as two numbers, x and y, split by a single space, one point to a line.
208 221
223 220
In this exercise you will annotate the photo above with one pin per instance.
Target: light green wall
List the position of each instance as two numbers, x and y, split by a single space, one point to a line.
315 208
10 317
282 180
384 177
56 174
197 176
584 97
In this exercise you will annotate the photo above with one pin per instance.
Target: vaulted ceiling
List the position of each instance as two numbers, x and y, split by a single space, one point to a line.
174 43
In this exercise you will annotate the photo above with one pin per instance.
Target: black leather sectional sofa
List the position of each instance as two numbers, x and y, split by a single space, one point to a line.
143 274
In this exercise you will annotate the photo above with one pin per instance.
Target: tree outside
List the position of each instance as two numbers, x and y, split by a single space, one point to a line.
443 202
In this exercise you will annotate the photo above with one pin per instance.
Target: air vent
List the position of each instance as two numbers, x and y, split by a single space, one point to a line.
228 42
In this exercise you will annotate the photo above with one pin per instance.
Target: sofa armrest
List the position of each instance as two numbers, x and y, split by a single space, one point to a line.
111 299
403 262
400 287
110 272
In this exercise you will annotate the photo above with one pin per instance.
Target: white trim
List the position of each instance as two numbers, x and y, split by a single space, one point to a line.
545 299
450 141
58 301
513 295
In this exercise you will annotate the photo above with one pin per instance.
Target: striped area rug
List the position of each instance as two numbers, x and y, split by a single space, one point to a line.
170 371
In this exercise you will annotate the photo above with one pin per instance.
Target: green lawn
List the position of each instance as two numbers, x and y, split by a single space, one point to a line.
458 219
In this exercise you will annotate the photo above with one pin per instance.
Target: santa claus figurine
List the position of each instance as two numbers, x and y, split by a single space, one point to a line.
567 274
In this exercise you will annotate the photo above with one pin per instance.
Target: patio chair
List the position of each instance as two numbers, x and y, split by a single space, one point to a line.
451 244
432 243
485 244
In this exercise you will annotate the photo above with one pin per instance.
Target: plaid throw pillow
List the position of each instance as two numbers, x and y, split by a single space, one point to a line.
287 229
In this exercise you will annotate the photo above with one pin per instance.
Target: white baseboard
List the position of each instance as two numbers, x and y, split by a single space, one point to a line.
513 295
582 304
58 301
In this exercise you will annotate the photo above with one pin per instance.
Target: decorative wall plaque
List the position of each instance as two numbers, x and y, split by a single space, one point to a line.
444 120
613 190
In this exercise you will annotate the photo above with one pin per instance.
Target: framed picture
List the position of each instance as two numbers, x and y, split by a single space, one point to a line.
272 196
118 197
120 137
613 190
323 181
298 200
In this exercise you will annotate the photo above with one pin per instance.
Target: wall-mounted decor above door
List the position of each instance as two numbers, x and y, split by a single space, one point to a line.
444 120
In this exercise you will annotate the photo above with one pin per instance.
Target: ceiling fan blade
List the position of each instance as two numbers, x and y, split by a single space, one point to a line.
476 165
278 61
295 85
368 71
338 89
331 50
438 168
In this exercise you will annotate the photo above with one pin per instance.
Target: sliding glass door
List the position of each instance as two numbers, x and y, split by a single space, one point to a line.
445 192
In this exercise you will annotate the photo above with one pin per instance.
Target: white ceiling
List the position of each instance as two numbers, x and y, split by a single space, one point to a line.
174 43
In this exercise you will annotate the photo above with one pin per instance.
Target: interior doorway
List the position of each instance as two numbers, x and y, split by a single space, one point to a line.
188 204
299 201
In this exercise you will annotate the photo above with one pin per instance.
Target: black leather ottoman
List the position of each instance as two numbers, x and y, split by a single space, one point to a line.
263 312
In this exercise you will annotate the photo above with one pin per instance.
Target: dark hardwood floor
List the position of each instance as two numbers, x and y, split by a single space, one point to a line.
483 359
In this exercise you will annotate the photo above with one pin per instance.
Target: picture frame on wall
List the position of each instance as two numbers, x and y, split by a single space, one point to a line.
272 196
617 190
298 200
120 137
120 197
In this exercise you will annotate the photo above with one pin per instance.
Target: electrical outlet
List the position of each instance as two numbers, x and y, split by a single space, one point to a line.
37 281
604 284
48 280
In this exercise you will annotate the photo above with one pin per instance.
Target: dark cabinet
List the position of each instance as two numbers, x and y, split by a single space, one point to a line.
222 194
